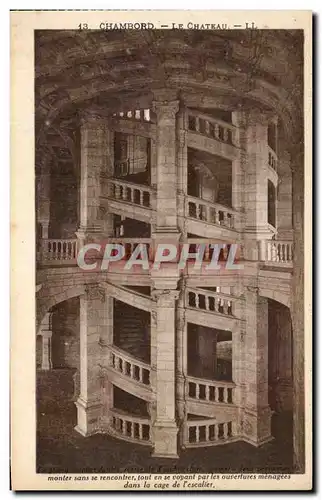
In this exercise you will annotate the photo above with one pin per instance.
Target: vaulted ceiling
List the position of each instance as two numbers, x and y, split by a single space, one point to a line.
209 69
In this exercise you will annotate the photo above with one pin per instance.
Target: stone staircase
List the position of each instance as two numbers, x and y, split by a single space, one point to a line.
132 330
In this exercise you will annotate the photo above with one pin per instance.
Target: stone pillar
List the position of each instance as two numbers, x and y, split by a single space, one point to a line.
298 304
46 334
238 167
43 195
284 198
181 364
153 162
182 162
256 425
95 161
107 217
153 349
93 325
164 426
257 228
166 107
284 359
106 340
238 355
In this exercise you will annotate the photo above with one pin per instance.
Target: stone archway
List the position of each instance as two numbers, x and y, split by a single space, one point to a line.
55 294
280 369
276 295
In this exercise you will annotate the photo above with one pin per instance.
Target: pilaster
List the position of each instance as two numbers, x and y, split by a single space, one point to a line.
46 335
257 227
182 162
43 194
96 160
181 362
256 424
166 109
93 325
165 426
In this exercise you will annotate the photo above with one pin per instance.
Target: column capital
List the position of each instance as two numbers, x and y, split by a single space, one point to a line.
46 334
166 298
165 109
252 289
46 324
91 118
256 116
95 292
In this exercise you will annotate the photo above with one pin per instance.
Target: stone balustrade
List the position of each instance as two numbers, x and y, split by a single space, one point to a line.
130 245
212 213
129 366
134 114
130 192
272 159
211 127
210 390
58 250
278 251
208 432
130 428
196 243
213 302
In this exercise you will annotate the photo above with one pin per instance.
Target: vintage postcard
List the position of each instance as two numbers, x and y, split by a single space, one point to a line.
161 250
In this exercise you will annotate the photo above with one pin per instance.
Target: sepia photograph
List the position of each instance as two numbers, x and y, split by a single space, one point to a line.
169 253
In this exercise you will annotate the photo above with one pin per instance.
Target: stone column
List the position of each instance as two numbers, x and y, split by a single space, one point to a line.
182 162
256 425
238 167
164 426
284 197
106 340
107 217
95 161
298 304
181 363
284 359
166 107
257 229
238 355
93 325
46 334
43 194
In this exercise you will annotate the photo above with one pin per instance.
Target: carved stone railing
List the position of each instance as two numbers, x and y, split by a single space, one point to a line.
130 245
278 251
130 192
131 367
58 250
213 391
208 432
272 159
129 427
134 114
209 301
211 127
212 213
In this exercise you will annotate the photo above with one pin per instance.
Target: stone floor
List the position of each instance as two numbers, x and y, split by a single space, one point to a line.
61 449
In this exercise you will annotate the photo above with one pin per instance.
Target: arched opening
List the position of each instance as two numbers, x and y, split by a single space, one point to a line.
131 330
271 203
280 369
58 363
209 353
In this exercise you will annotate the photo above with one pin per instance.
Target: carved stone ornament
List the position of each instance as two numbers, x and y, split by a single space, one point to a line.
95 292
